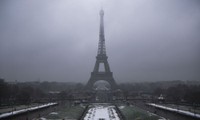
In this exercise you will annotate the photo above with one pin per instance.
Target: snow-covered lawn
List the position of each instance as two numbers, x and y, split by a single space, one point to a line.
175 110
25 110
102 112
132 112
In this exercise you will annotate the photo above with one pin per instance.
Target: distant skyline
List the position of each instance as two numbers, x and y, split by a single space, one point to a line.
56 40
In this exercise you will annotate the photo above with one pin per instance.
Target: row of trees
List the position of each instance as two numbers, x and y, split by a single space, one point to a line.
18 94
174 91
181 93
27 92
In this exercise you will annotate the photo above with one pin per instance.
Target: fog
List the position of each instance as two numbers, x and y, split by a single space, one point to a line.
57 40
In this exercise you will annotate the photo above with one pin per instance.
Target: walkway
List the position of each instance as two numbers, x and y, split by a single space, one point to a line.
102 112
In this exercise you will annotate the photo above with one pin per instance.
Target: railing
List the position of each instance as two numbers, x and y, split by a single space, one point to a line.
84 113
120 114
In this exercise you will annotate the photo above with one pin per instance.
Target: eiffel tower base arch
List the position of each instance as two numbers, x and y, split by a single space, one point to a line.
106 76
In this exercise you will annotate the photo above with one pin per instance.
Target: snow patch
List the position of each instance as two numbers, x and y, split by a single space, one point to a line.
54 113
121 107
183 112
25 110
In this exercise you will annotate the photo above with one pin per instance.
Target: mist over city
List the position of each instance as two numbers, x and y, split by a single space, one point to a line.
146 40
99 60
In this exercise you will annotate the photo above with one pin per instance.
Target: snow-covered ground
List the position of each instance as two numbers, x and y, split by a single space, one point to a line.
175 110
102 112
25 110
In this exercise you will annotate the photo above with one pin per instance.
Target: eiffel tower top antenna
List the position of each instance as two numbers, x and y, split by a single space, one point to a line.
101 45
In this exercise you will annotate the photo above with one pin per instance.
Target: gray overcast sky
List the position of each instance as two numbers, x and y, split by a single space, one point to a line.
56 40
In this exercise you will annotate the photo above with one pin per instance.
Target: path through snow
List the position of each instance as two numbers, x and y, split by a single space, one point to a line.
102 112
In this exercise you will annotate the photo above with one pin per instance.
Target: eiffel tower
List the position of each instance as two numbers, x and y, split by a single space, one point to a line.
101 58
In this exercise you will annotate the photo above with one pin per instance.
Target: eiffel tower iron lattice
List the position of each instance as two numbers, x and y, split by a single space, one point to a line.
101 58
